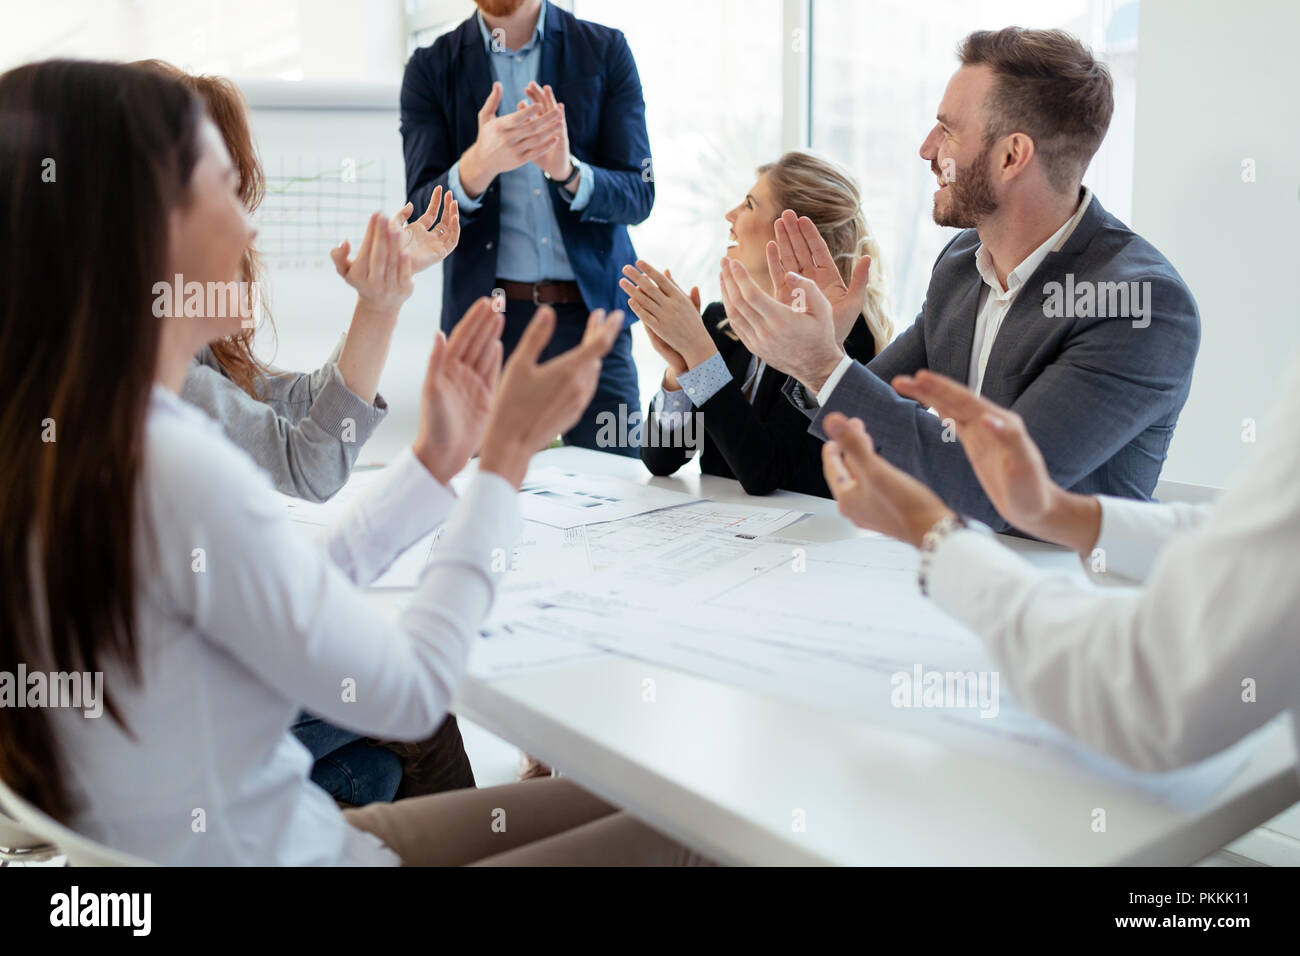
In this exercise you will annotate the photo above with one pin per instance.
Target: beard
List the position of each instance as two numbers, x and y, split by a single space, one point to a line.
970 195
499 8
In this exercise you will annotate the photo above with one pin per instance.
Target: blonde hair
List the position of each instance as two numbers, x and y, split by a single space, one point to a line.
828 195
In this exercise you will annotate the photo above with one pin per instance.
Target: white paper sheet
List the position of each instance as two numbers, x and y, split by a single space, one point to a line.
838 626
565 500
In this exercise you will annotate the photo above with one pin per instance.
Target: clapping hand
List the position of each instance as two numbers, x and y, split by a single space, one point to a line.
555 161
458 387
1008 464
871 492
670 317
799 249
429 239
800 342
381 272
539 400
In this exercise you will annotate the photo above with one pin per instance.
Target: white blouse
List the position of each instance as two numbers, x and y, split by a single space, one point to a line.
242 623
1204 653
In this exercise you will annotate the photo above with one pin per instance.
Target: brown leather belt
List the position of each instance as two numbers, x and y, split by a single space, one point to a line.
546 292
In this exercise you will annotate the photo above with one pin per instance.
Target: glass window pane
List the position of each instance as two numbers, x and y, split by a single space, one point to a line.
879 71
711 75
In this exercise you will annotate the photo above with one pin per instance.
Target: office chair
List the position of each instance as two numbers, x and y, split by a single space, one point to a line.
79 850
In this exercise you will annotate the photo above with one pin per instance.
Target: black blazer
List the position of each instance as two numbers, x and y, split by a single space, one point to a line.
766 446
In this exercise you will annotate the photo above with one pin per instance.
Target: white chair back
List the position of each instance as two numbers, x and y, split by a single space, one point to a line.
79 850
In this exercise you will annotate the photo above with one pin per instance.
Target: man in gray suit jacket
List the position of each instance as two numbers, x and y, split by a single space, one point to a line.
1046 304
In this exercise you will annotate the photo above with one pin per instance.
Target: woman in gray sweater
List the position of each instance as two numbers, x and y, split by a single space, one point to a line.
305 429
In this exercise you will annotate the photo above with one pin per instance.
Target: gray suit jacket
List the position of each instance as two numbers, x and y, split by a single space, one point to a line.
1100 395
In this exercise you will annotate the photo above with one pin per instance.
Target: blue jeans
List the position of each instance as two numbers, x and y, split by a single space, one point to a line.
610 422
347 766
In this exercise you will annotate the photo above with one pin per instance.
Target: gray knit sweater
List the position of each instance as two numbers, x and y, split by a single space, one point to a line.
306 431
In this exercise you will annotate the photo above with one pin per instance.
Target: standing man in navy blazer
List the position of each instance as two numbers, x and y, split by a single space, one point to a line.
534 120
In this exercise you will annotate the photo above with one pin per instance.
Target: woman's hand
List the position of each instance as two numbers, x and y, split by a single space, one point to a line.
536 401
871 492
669 314
429 239
1008 464
457 394
381 272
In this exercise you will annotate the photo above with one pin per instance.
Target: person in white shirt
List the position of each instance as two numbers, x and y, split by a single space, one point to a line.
1198 656
156 553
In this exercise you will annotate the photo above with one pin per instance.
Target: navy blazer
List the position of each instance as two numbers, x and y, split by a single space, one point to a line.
1099 395
591 69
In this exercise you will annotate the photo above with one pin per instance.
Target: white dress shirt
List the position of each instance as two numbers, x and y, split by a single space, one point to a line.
242 623
995 302
1170 674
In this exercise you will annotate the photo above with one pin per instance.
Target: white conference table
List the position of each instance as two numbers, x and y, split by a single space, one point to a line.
728 771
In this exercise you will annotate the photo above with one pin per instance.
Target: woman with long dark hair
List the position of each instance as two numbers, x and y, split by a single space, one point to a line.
137 542
306 429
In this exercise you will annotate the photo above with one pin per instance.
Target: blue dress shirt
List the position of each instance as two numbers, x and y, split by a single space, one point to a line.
531 248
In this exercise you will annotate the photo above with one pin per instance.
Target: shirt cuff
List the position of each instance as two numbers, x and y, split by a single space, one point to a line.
341 412
1133 534
705 380
824 394
586 183
400 508
458 191
671 404
483 529
967 577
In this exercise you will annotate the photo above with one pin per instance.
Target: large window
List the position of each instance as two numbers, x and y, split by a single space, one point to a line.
711 75
878 72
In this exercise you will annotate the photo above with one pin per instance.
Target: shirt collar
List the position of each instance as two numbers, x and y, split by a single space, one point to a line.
527 47
1017 276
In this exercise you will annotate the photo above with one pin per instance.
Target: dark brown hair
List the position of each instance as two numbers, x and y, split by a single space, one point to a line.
93 157
1047 86
228 109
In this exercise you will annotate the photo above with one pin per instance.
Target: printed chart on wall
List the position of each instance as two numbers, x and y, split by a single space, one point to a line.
314 201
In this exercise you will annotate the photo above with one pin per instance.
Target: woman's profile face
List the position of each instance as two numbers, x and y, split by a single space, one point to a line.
751 228
210 232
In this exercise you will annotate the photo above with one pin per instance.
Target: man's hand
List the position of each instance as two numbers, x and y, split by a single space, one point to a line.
1010 468
428 239
556 162
457 393
799 248
507 142
802 343
871 492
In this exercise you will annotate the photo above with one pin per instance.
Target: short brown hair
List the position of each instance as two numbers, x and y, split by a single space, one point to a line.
1047 86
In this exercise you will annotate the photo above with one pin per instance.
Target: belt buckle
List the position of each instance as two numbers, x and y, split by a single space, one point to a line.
536 289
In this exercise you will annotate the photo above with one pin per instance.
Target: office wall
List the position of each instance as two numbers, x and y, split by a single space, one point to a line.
1215 89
